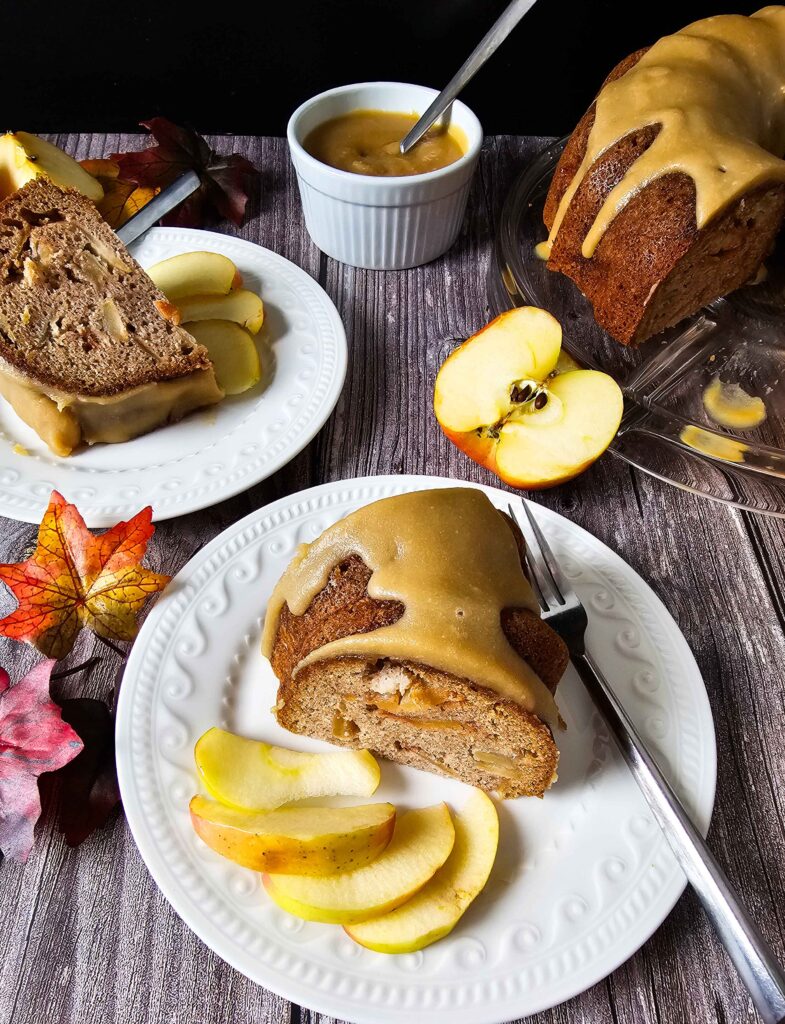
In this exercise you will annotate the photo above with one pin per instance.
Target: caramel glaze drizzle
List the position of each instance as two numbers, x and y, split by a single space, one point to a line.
451 559
717 90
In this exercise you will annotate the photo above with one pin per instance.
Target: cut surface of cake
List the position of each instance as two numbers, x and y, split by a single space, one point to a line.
410 629
671 190
89 347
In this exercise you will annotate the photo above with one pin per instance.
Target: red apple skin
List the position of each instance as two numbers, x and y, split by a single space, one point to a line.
482 450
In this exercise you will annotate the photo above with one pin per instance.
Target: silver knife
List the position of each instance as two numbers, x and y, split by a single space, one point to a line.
165 201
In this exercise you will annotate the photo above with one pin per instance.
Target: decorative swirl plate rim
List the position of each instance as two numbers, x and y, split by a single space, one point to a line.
607 876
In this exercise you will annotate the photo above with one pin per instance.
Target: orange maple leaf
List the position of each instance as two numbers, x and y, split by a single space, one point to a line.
121 199
75 580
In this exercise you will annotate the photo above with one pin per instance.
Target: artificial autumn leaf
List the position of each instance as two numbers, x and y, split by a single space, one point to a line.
106 169
33 739
226 180
90 792
75 580
122 199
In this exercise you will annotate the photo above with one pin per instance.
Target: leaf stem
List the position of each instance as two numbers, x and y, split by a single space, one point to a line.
109 644
86 665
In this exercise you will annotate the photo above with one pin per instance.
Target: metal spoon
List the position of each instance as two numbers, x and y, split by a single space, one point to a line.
165 201
490 42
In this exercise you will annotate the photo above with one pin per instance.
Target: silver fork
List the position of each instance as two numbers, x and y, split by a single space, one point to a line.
749 951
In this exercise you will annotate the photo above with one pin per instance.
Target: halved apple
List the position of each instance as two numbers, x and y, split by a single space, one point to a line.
243 307
256 776
232 352
440 904
505 398
295 840
195 273
420 845
24 157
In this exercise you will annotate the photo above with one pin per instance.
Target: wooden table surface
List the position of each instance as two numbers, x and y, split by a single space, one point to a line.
87 936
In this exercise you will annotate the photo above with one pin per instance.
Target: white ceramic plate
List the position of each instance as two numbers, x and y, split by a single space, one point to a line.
582 877
217 452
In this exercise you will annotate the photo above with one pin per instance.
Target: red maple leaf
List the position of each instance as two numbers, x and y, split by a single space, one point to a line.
226 180
75 580
33 739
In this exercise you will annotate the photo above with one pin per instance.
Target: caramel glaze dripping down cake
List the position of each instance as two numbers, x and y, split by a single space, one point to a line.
90 349
409 628
671 189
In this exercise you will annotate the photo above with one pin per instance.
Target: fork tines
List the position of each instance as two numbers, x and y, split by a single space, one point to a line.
544 572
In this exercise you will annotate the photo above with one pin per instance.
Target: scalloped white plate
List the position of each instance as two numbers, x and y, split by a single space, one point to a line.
582 878
213 453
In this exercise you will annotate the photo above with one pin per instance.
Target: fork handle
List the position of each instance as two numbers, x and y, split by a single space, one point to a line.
751 955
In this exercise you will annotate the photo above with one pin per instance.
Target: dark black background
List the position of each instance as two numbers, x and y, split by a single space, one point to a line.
240 66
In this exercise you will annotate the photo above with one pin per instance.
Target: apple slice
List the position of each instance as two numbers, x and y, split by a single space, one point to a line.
243 307
232 352
513 402
256 776
296 840
440 904
195 273
420 845
24 157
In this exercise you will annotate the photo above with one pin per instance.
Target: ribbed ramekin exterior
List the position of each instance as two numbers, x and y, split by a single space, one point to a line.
383 237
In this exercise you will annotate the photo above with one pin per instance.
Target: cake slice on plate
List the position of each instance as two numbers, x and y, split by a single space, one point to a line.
409 628
90 349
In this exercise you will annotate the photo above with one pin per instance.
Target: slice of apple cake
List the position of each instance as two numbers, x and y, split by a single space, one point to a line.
409 628
90 349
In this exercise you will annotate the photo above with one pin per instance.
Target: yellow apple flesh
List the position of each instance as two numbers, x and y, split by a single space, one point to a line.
24 157
195 273
512 401
440 904
473 386
421 843
232 352
241 306
548 446
295 840
255 776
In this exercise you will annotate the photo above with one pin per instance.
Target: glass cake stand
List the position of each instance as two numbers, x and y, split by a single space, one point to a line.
666 430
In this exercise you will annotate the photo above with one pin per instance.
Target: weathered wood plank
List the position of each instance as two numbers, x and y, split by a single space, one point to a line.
87 936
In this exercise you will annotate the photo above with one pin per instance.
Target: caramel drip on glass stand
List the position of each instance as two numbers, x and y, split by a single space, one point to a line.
451 559
717 91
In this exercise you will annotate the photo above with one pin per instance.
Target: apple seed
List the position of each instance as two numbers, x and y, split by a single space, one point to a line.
520 394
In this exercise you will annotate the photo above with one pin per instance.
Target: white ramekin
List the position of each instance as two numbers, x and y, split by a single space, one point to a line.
381 223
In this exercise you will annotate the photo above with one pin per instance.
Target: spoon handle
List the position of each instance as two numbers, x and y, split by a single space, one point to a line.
488 45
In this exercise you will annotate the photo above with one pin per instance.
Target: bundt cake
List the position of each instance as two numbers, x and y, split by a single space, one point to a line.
671 190
409 628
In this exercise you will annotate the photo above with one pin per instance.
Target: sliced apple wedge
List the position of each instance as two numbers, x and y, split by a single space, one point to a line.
511 401
256 776
24 156
232 352
435 910
195 273
420 845
295 840
242 307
